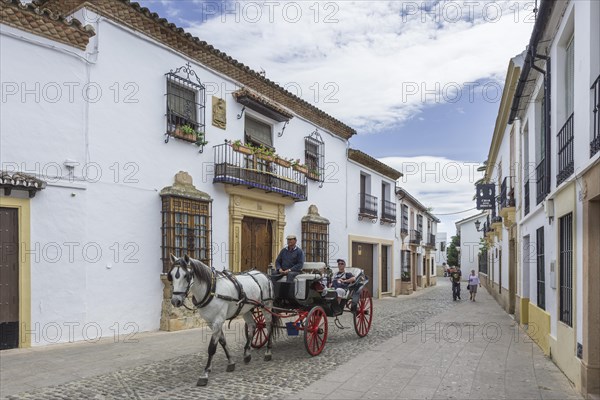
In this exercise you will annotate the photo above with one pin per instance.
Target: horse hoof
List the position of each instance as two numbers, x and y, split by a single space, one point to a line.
247 359
202 382
268 357
230 367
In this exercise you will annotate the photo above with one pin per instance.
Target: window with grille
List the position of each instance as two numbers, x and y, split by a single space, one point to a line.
420 223
314 155
541 274
315 241
186 229
404 225
566 269
570 78
405 260
186 100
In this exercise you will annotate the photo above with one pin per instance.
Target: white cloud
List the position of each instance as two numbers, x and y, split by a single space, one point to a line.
355 59
443 184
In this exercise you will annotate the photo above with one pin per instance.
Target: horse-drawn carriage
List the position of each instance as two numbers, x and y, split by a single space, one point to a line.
309 302
263 302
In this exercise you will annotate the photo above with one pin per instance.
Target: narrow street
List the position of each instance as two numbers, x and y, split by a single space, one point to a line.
420 346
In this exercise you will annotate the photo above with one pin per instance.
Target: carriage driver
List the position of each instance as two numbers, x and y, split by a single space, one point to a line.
290 260
342 279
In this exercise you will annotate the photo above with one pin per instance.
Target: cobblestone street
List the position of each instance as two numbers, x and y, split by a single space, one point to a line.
292 370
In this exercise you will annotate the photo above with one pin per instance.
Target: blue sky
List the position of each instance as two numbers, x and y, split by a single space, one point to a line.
393 70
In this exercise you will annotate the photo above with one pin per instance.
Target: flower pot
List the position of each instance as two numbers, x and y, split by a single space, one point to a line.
283 162
302 169
242 149
188 137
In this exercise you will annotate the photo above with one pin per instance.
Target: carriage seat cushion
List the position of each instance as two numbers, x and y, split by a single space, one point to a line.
313 267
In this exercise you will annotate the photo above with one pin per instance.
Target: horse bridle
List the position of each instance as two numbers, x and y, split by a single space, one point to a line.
188 277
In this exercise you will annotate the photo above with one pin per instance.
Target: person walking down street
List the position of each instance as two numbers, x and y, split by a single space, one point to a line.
473 283
455 276
290 260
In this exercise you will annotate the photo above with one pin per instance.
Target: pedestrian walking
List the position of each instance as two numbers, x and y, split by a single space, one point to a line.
455 276
473 283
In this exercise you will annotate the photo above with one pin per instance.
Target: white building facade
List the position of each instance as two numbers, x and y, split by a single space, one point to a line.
470 243
548 130
104 129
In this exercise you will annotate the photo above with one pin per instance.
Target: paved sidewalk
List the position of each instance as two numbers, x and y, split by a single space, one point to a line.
475 351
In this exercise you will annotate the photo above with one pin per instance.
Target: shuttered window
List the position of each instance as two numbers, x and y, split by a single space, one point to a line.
570 78
258 132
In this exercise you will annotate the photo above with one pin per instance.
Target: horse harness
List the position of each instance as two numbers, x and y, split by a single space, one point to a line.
241 301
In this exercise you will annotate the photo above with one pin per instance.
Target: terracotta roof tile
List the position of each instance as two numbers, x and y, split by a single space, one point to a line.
43 22
139 18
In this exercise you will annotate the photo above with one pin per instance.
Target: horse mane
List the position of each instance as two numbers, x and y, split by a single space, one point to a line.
201 271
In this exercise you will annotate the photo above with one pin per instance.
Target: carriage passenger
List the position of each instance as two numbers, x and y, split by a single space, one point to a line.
342 279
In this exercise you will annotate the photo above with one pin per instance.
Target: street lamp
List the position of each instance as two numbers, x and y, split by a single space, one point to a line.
477 225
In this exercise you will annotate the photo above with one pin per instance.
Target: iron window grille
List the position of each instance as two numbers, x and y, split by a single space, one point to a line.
565 151
404 226
186 99
388 211
186 229
315 241
405 267
526 198
314 154
566 269
420 224
483 261
507 193
541 274
541 182
415 237
368 207
595 143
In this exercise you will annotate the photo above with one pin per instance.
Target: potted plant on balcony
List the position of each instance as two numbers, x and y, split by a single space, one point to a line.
242 147
299 167
314 174
284 162
265 153
188 133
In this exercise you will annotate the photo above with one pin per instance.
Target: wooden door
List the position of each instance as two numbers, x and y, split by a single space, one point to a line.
362 257
257 244
9 278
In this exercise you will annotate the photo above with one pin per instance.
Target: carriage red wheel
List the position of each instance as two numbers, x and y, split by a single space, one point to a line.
261 333
315 331
363 316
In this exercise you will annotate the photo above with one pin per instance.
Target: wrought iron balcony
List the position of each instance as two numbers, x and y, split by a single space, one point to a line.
507 193
404 230
254 171
595 143
415 237
431 240
526 198
368 207
541 184
565 151
388 211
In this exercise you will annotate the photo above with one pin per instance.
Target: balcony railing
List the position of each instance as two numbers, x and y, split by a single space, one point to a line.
368 206
404 229
526 198
388 211
431 240
507 192
565 151
541 182
595 143
415 237
253 171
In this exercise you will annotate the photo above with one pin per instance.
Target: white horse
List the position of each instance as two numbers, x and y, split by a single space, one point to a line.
220 296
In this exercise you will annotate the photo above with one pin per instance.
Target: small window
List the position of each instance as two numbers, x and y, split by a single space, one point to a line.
186 227
185 100
315 241
404 226
314 154
258 133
